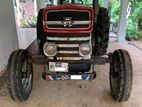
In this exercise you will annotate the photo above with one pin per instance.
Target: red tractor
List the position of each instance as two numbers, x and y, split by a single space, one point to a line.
72 36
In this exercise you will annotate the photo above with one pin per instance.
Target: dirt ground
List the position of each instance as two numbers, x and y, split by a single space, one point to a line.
94 93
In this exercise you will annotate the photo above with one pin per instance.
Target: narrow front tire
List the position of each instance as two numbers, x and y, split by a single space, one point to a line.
121 75
19 75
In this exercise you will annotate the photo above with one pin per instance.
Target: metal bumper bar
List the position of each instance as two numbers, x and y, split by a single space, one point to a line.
94 60
52 77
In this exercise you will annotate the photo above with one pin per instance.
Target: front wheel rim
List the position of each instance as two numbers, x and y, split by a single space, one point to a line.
26 77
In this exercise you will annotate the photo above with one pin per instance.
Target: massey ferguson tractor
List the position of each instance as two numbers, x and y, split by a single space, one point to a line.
72 37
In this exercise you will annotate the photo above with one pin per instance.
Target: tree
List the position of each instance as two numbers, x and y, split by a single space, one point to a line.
134 28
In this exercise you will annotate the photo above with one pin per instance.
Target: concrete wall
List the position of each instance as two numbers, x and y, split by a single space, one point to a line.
26 36
8 36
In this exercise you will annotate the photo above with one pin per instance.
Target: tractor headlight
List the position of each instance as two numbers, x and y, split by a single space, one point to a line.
85 49
50 49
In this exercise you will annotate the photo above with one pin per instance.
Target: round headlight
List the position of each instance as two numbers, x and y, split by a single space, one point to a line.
50 49
85 49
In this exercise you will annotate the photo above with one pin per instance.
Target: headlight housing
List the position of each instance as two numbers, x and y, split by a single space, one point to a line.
85 49
50 49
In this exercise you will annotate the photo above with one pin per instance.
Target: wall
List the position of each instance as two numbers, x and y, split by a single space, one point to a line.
26 36
8 36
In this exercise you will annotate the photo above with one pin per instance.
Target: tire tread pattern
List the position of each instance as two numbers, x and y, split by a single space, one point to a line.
14 82
125 75
101 32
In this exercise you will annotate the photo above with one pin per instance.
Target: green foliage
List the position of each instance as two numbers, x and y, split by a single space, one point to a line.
87 2
23 23
140 40
114 6
28 23
101 2
132 27
131 34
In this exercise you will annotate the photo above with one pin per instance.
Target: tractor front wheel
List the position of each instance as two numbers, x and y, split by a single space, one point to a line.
20 75
121 75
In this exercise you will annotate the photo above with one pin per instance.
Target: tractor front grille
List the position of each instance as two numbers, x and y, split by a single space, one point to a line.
68 19
68 45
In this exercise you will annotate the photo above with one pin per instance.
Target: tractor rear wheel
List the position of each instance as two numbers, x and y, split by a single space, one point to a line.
101 32
41 35
121 75
19 75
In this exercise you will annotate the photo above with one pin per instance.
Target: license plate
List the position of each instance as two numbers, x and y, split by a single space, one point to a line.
58 67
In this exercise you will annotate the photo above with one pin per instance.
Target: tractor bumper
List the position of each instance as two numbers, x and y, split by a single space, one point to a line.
87 76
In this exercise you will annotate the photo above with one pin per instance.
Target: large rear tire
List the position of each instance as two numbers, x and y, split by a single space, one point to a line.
41 35
121 75
101 32
19 75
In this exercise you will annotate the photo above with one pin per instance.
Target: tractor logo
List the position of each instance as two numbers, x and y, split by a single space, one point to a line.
67 22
